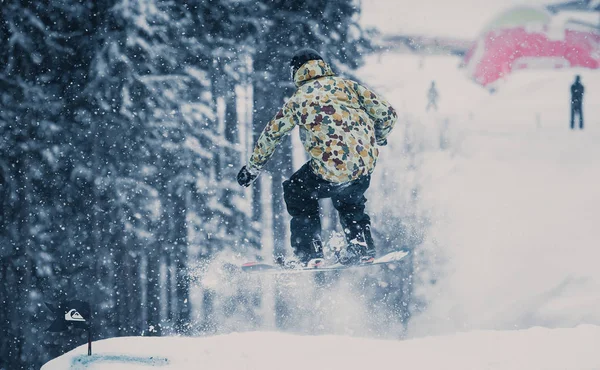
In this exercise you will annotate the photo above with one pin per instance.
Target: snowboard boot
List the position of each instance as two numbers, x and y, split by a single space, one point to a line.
289 263
312 257
360 250
354 254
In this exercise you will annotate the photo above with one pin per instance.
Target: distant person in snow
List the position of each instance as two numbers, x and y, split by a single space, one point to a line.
342 124
432 97
577 102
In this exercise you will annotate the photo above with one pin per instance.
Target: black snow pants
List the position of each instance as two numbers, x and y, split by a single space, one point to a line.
576 108
302 193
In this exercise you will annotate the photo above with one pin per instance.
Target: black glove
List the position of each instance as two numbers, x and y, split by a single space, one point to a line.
378 139
245 177
382 142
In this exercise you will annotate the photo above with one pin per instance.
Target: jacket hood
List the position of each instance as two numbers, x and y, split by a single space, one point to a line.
311 70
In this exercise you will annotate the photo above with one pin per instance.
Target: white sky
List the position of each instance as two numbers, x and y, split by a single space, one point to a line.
455 18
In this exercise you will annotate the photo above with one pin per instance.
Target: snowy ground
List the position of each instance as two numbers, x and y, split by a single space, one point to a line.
513 203
536 348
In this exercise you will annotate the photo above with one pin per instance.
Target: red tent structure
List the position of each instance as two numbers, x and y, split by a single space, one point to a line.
529 37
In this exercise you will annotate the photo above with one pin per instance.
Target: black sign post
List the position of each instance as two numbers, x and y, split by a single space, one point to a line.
72 314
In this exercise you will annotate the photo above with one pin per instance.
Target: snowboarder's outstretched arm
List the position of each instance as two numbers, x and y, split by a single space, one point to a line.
274 131
382 113
272 134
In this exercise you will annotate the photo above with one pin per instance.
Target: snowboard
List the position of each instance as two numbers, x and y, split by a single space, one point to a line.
278 269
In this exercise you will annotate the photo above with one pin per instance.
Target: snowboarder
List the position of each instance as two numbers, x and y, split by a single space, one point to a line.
577 102
432 96
342 123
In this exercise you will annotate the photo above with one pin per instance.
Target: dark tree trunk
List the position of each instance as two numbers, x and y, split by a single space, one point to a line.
18 278
182 315
153 292
5 309
169 303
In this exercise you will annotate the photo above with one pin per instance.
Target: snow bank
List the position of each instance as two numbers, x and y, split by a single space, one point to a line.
535 348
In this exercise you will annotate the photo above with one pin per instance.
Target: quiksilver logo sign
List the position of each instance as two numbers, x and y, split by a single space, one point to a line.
68 314
73 315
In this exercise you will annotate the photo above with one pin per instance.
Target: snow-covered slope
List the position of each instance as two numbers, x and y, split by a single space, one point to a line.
536 348
517 221
512 195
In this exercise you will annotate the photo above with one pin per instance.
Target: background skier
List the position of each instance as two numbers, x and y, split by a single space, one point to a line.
432 97
577 102
341 124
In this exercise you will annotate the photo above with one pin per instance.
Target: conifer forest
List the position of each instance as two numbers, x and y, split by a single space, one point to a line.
123 124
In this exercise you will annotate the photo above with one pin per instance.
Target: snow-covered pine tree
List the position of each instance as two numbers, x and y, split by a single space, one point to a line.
150 78
39 85
221 221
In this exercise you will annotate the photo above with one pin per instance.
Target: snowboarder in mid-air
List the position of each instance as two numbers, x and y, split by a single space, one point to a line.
577 102
342 123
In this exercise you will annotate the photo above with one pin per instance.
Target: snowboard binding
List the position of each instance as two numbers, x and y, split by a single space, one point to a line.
354 255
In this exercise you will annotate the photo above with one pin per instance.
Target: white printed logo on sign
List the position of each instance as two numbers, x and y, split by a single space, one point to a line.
73 315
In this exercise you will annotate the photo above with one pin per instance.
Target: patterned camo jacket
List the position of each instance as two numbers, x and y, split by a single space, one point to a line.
340 123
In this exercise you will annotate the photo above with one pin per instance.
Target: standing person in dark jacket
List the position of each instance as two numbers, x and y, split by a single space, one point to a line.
432 97
342 125
577 102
